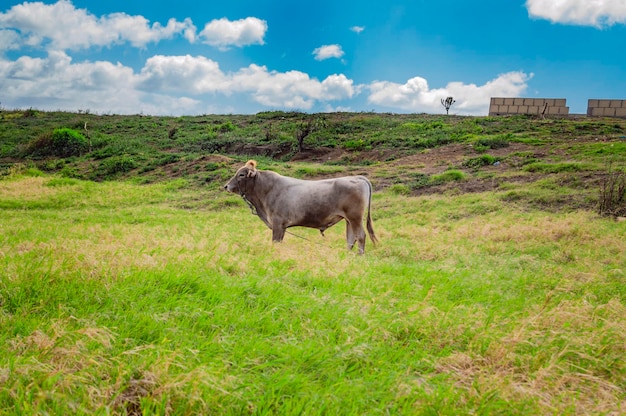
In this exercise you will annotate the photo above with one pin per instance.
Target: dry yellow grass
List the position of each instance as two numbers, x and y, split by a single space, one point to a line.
560 337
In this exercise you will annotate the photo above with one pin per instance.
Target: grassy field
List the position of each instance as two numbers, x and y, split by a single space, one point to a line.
116 298
149 290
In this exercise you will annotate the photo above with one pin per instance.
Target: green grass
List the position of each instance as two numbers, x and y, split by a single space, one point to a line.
153 291
553 167
480 161
450 175
118 298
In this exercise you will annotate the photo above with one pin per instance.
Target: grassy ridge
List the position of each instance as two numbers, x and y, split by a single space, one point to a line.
158 148
119 298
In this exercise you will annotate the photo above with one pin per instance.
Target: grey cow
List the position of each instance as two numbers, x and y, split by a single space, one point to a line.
283 202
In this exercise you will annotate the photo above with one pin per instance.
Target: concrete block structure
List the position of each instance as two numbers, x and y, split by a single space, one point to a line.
546 106
606 108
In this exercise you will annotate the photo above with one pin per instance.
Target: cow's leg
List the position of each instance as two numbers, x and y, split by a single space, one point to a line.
354 233
360 235
278 233
350 236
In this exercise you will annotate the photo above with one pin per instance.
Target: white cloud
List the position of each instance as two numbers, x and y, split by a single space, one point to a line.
337 87
292 89
187 74
596 13
199 75
55 82
327 52
357 29
9 39
416 96
223 33
165 85
62 26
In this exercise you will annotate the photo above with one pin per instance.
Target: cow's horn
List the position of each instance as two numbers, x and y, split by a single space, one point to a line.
251 165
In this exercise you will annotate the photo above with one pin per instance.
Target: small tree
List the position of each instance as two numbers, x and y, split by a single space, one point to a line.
447 103
304 129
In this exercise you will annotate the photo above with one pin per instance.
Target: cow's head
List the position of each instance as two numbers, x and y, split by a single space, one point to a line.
242 181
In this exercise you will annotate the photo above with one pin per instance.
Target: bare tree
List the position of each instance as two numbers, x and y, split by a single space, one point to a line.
304 129
447 103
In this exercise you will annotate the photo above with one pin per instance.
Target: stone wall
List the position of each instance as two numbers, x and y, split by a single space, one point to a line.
606 108
555 106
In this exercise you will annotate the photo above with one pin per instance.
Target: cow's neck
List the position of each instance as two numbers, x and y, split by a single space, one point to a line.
255 197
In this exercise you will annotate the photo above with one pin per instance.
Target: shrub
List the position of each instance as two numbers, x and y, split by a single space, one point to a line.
482 144
226 127
63 142
33 171
53 164
478 162
67 142
436 140
118 165
449 176
355 145
39 146
70 172
211 166
399 189
419 180
612 199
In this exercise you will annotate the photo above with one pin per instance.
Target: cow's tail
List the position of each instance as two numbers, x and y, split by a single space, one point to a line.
370 227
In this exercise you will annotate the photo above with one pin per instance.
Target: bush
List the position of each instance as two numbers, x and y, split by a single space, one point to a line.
70 172
419 180
482 144
67 142
211 166
118 165
437 140
355 145
39 146
612 201
493 142
226 127
399 189
478 162
449 176
53 164
63 142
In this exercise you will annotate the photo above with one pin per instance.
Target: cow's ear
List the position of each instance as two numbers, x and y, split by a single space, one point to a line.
251 165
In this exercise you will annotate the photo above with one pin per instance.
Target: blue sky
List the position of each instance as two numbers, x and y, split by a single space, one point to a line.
238 57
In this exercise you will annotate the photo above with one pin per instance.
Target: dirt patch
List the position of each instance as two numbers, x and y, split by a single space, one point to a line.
276 151
215 159
437 160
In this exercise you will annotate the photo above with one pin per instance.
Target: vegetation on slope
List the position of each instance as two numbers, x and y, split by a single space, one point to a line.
566 161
